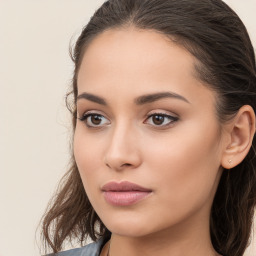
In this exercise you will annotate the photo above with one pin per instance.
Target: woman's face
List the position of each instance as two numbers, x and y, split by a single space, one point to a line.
146 119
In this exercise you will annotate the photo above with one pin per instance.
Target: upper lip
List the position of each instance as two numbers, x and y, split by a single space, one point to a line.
124 186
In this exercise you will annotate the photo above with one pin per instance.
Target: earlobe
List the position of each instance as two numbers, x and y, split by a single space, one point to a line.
241 133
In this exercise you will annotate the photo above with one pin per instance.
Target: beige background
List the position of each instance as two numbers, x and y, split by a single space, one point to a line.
35 72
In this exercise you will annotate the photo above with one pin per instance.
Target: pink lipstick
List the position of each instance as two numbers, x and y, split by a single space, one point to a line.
124 193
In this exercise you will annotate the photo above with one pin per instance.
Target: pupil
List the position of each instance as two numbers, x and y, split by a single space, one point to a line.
158 120
96 119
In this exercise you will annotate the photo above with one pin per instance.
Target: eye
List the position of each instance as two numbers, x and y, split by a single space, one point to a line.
94 120
159 119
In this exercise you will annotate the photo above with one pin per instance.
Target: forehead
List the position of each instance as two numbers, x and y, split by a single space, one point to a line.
131 62
132 51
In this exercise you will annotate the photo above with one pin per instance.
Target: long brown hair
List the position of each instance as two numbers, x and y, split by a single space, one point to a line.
215 35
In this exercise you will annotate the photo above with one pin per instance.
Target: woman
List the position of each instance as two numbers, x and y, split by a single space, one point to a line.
164 95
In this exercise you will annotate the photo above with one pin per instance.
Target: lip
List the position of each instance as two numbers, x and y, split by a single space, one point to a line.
124 193
124 186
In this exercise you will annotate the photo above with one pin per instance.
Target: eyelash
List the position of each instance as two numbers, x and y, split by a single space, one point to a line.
85 117
172 119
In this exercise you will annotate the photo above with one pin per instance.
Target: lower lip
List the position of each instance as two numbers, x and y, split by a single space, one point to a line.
124 198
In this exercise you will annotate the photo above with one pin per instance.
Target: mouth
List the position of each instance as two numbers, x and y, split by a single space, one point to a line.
124 193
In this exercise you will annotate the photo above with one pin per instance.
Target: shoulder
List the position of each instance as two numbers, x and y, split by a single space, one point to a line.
92 249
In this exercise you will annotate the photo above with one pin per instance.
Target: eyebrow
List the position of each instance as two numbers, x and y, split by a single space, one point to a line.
92 97
141 100
144 99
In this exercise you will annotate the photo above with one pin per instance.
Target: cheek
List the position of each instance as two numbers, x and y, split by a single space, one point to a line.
88 159
87 148
87 156
187 165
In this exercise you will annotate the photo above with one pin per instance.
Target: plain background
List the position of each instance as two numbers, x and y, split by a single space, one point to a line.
35 74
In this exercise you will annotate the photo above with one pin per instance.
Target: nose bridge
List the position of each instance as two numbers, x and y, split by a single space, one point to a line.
122 149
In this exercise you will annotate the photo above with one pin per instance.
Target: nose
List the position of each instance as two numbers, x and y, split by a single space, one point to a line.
123 149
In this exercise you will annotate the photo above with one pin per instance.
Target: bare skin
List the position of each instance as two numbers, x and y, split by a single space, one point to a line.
172 145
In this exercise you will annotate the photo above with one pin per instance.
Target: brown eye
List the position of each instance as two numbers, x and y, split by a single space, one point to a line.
94 120
158 120
161 120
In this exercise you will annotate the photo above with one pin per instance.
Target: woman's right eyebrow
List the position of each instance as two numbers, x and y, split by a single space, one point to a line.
92 97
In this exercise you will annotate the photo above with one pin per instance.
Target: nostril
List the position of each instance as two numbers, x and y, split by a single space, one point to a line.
126 164
120 166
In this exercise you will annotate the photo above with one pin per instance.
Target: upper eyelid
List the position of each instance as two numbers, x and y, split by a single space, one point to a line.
88 114
149 113
162 112
93 112
175 118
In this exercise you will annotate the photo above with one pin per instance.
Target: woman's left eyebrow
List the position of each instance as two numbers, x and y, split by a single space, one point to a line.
149 98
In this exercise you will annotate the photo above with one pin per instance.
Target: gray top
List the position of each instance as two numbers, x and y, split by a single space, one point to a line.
92 249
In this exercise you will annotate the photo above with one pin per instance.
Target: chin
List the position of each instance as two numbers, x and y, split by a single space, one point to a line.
129 230
127 225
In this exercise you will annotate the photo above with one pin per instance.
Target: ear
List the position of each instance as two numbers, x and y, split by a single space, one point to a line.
240 133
